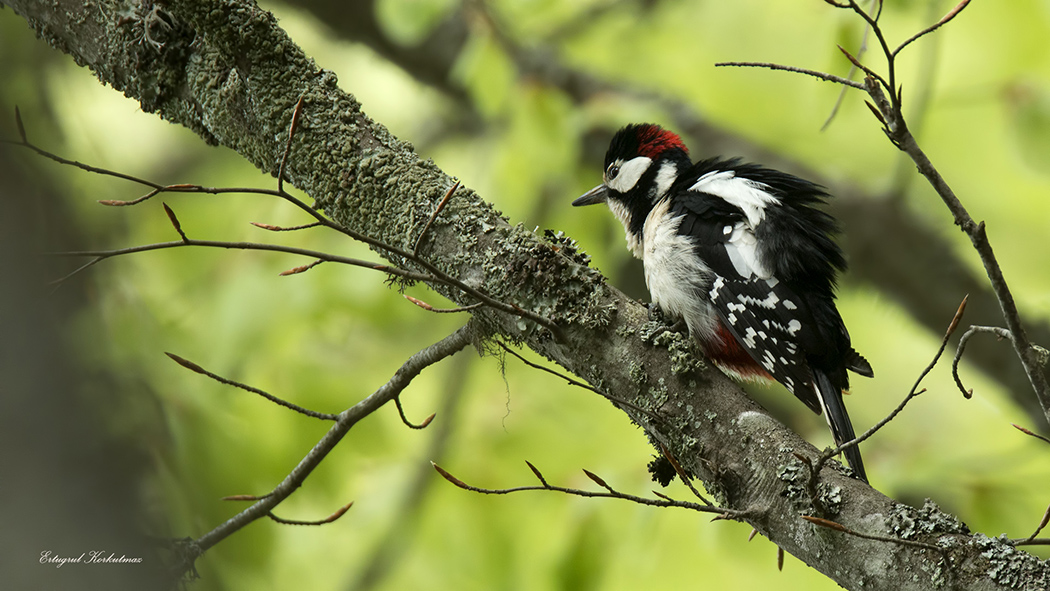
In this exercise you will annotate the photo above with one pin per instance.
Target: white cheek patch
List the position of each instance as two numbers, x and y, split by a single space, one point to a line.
630 172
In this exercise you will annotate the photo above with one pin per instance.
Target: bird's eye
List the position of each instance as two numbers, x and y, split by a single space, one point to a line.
612 172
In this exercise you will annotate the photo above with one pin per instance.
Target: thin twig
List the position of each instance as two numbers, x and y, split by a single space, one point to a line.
296 114
1029 432
345 421
430 308
889 111
842 528
338 513
26 144
274 228
175 222
1031 539
1002 333
898 133
822 75
228 382
610 493
944 20
245 497
408 423
856 63
682 475
300 268
192 188
101 255
915 391
1033 542
580 384
849 76
873 22
434 273
437 211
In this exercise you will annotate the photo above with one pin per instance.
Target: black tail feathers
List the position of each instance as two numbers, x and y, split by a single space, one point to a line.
857 363
838 420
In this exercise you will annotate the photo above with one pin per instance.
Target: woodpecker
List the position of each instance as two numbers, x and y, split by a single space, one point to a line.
743 256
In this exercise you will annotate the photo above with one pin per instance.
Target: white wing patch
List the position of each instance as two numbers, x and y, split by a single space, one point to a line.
751 197
742 248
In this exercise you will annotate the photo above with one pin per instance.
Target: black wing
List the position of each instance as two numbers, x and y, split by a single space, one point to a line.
753 226
773 325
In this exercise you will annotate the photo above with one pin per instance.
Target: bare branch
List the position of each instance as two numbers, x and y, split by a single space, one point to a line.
434 274
682 475
1030 432
822 75
437 211
338 513
915 391
245 497
610 493
408 423
273 228
1042 524
228 382
296 114
898 133
1002 333
300 268
344 422
580 384
175 222
1034 542
841 528
101 255
430 308
56 158
849 76
944 20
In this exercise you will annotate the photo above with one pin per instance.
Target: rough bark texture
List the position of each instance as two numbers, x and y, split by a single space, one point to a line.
227 71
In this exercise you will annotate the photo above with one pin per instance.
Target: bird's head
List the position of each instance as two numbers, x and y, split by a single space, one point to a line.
641 164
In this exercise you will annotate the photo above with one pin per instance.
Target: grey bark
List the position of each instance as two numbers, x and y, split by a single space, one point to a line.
228 72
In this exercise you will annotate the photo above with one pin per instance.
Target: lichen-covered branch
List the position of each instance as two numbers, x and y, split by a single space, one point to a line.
226 70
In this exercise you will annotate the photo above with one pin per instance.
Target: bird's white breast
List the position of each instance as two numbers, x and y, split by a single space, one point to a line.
677 279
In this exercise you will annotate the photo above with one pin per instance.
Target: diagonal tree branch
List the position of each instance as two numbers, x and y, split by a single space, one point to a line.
227 71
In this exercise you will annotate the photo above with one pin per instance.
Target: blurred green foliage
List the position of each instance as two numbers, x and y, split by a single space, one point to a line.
329 337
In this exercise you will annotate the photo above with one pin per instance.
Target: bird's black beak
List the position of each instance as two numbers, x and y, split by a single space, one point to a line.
595 195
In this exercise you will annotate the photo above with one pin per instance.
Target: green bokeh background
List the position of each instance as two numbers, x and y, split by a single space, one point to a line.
329 337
